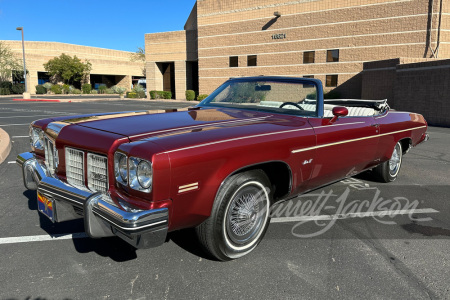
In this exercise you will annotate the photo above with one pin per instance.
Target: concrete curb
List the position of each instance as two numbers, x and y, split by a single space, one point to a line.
5 145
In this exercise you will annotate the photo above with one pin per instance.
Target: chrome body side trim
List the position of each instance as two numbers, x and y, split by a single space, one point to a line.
354 140
102 217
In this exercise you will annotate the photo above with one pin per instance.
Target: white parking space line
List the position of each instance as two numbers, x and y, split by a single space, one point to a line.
20 136
25 116
389 213
11 162
42 238
58 237
6 125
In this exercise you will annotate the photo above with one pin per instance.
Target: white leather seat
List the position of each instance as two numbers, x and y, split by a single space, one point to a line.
308 107
360 111
328 109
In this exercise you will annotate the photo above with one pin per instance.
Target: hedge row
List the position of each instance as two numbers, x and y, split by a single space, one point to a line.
160 95
140 94
7 88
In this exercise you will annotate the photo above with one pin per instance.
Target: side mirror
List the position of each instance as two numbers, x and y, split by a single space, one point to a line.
338 111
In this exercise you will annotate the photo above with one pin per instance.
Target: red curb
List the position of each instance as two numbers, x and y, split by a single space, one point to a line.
43 100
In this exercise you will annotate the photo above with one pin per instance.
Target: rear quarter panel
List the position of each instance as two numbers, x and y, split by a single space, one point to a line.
396 126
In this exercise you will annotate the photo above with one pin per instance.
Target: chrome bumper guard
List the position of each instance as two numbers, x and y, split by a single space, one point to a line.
102 217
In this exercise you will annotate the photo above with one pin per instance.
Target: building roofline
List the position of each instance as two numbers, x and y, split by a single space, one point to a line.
27 41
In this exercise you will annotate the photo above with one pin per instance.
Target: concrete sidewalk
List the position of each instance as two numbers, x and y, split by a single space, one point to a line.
5 145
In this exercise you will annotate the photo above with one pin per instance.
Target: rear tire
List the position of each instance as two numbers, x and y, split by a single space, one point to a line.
388 171
239 217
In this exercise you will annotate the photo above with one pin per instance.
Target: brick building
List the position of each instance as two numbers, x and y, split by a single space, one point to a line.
326 39
110 67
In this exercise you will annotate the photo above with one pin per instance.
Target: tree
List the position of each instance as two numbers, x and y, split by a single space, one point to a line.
139 56
68 69
8 63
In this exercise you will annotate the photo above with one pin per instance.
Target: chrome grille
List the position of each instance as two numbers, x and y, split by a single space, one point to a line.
75 166
97 172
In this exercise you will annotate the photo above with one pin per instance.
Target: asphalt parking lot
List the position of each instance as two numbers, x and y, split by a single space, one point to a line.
399 256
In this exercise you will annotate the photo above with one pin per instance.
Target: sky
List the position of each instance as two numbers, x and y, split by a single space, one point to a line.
119 25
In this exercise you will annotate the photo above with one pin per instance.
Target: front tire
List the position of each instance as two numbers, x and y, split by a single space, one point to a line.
239 218
388 171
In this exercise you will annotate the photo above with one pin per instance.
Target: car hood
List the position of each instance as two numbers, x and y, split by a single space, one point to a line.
185 128
145 124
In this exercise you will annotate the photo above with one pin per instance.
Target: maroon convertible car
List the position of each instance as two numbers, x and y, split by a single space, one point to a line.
217 166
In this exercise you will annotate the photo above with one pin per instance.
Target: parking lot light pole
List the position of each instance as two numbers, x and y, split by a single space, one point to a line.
24 65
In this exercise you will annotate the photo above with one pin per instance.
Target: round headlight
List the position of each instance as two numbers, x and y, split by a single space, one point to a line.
123 170
144 174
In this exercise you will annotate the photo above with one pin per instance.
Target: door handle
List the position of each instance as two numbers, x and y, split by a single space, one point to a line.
375 125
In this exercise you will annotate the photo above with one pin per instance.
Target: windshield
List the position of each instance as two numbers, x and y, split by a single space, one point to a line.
276 96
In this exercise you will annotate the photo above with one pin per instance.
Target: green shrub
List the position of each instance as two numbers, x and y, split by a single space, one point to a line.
56 89
102 89
48 86
109 91
190 95
94 92
138 88
18 88
86 88
201 97
132 95
118 89
66 88
40 89
76 91
6 85
160 95
4 91
312 96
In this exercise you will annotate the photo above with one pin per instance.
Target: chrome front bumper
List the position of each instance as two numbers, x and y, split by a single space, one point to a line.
102 217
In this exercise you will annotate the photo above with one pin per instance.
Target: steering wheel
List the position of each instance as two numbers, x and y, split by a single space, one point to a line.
291 103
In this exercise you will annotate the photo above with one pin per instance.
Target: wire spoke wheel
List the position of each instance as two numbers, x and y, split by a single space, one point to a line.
395 161
239 218
246 214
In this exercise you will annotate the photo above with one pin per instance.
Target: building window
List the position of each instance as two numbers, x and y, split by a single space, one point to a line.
333 55
234 61
308 76
308 57
252 60
331 81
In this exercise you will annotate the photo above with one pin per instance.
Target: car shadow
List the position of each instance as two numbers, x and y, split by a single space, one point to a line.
53 229
368 176
188 241
32 199
114 248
